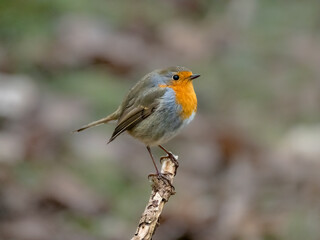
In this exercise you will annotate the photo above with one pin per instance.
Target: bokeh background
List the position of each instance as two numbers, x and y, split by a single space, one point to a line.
249 162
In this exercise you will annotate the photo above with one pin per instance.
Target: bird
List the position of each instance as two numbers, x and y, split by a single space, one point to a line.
155 109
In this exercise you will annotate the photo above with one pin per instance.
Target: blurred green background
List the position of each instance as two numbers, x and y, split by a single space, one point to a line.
249 162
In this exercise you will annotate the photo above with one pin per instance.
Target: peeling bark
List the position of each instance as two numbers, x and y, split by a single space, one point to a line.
162 189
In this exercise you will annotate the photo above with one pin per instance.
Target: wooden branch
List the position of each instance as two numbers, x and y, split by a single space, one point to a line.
162 189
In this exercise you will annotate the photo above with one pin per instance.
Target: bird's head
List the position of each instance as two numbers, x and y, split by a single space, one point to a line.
174 76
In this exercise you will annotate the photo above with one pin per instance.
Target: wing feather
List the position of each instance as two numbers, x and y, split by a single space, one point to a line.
134 117
136 109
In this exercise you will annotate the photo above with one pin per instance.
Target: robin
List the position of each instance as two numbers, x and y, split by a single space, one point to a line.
156 108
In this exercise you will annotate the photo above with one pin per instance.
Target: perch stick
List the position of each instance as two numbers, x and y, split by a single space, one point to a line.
162 189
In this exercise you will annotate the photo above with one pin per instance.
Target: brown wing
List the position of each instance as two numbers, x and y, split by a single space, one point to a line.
135 109
131 119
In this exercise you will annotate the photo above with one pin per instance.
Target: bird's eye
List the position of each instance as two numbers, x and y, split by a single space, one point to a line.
175 77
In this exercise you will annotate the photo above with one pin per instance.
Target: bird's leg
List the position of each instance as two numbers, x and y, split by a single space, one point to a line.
169 155
154 163
159 175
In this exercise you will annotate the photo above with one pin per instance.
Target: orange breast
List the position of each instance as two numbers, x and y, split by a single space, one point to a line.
185 96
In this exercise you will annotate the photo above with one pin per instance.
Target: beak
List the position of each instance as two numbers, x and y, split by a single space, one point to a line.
194 76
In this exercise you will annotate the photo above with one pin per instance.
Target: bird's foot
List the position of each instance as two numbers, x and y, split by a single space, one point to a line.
160 176
172 157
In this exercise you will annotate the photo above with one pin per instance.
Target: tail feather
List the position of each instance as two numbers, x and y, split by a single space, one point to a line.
109 118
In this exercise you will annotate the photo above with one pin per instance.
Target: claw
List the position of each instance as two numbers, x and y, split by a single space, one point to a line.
172 157
160 176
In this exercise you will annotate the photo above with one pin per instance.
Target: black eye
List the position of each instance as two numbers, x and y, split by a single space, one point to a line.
175 77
